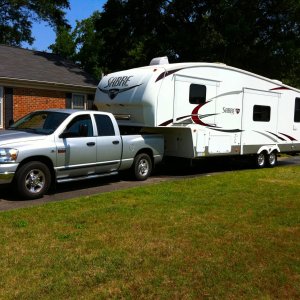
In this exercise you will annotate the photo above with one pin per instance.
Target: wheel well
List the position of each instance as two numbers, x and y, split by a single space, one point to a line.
43 159
146 151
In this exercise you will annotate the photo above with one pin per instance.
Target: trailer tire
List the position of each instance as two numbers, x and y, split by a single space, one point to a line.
33 179
260 160
142 167
272 159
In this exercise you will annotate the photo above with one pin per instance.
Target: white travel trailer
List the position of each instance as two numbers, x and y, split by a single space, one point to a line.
206 109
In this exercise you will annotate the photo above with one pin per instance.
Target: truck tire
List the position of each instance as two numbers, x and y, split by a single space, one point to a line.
142 166
272 159
33 180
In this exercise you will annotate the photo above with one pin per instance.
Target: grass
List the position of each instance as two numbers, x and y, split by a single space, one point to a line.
228 236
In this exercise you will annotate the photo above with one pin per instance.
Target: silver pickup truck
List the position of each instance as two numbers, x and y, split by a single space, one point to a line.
50 146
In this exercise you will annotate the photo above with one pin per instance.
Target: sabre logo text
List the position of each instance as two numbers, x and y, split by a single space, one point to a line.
229 110
118 81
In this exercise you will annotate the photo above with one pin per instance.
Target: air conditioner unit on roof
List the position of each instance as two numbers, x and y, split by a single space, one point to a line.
159 61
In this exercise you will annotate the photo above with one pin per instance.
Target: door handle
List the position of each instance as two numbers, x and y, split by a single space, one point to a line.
115 142
90 144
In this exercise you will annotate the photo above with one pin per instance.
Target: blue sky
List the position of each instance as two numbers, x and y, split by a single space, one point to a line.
44 34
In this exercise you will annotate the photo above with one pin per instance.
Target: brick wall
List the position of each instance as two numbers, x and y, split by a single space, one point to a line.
27 100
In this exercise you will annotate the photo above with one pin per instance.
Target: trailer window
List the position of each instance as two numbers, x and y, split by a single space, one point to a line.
261 113
197 94
297 110
105 126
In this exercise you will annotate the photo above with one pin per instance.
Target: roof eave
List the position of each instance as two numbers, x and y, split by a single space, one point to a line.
17 82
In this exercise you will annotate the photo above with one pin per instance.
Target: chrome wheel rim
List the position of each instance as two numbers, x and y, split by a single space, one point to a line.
272 159
143 167
35 181
261 159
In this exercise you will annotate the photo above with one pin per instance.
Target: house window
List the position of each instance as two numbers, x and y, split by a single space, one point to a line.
1 107
76 101
79 101
261 113
297 110
197 94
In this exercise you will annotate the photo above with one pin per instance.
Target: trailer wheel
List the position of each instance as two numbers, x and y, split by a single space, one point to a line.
142 167
272 159
260 160
33 180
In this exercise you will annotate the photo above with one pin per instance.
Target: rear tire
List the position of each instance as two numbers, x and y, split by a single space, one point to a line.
272 159
33 180
142 167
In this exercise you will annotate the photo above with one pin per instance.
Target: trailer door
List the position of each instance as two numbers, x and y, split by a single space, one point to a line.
259 119
183 103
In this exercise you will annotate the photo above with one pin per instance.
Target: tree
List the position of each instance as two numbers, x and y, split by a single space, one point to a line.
65 44
16 17
262 36
81 45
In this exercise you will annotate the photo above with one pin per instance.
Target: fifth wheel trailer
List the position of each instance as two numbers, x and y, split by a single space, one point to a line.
206 109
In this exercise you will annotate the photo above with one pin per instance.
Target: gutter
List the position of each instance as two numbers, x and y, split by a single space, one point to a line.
66 87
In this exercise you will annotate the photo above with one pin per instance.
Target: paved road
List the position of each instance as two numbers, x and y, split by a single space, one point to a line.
9 201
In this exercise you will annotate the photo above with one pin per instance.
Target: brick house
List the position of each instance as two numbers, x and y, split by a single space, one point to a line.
31 80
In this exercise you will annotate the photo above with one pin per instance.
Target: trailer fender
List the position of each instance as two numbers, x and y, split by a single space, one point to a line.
268 149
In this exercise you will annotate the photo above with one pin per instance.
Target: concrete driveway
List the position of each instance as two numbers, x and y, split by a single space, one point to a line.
9 201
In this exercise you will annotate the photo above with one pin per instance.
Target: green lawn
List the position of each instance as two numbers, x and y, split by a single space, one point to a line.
227 236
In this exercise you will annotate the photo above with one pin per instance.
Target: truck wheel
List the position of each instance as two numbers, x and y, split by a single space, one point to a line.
33 180
142 166
260 160
272 159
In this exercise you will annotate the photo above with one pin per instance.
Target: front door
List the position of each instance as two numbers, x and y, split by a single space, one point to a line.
76 148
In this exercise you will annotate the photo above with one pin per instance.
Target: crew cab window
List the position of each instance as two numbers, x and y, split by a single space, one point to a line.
80 126
104 125
297 110
261 113
197 94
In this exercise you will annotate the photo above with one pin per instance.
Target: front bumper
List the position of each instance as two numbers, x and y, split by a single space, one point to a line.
7 172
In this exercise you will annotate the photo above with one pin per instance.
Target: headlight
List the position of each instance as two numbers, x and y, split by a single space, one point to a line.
8 155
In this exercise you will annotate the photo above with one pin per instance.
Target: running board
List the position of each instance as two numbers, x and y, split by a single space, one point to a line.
92 176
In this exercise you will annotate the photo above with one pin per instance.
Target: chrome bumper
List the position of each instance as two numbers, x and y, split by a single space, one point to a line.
7 172
6 178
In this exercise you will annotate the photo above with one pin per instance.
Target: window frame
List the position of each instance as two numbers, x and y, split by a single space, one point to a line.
297 110
202 98
261 113
98 125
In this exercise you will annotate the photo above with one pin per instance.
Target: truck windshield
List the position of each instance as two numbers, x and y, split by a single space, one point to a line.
40 122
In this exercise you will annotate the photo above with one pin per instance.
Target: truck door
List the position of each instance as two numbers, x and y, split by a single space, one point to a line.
184 100
76 148
109 145
259 119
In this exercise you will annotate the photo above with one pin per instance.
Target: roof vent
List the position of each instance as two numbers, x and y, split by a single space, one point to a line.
159 61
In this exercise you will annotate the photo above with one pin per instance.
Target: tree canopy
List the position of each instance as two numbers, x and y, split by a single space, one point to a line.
262 36
16 17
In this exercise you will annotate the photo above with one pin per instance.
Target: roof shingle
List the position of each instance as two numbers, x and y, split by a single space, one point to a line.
22 64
